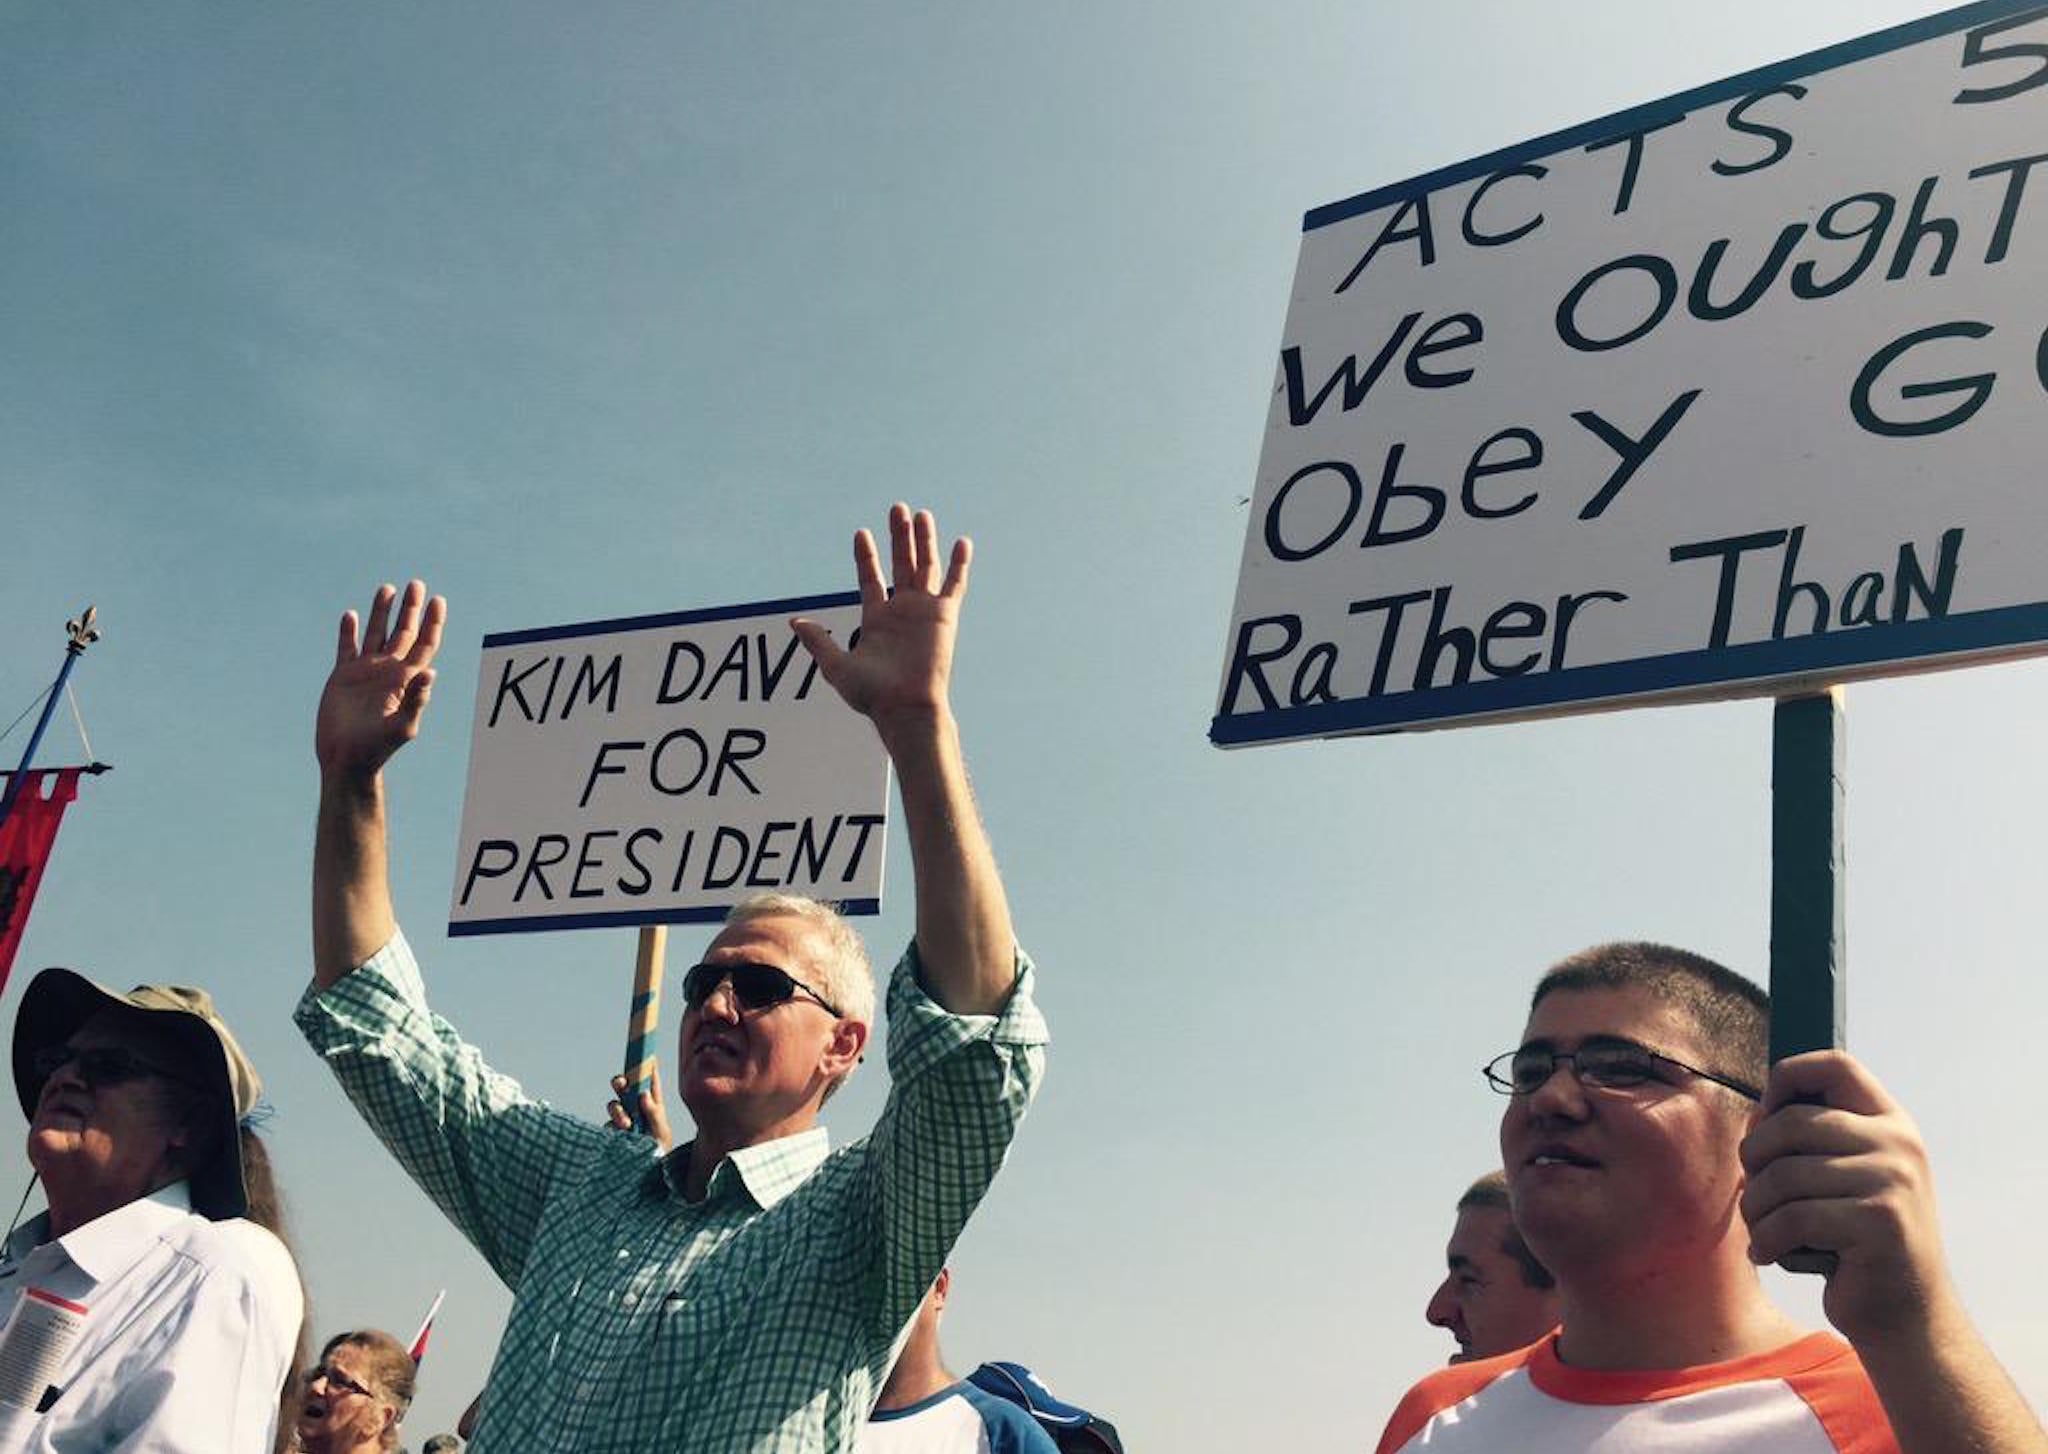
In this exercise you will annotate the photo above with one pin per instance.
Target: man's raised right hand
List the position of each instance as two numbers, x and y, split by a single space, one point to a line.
378 689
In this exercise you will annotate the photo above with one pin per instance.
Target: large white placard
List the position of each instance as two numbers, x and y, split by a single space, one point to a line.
1740 392
659 769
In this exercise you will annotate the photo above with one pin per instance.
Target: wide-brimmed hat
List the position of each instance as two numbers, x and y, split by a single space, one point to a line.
58 1001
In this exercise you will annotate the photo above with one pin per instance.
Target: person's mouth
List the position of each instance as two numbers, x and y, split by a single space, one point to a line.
60 1112
715 1050
1558 1153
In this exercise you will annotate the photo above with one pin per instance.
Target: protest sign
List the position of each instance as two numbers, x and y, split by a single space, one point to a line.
661 768
1742 392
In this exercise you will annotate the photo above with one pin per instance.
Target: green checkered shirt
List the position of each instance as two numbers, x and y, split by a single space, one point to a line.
763 1318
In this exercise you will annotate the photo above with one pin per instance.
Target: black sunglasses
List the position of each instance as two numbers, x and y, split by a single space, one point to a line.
754 986
98 1065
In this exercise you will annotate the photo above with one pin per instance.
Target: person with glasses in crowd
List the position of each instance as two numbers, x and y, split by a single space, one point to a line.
1496 1297
1654 1161
745 1291
357 1395
162 1245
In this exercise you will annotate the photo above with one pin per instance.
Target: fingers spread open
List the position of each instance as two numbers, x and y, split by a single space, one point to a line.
830 656
345 641
867 570
925 538
374 624
429 640
902 547
406 625
414 703
956 572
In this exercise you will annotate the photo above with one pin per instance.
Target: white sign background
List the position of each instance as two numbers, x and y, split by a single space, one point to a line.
1769 443
592 802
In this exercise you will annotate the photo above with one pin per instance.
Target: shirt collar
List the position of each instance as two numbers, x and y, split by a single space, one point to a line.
115 1239
767 1172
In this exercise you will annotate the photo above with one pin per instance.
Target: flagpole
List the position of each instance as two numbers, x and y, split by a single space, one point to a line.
83 634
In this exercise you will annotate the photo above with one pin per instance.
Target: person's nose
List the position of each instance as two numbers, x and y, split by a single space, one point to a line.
723 1002
1561 1094
67 1076
1442 1311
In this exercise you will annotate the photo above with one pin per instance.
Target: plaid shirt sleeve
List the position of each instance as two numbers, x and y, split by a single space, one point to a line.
959 1085
478 1145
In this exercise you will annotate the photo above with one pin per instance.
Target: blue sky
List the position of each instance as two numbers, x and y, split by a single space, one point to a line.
599 312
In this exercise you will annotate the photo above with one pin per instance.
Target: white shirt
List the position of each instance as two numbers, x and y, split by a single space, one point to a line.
190 1328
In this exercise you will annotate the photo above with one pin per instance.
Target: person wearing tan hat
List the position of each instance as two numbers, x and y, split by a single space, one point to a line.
166 1315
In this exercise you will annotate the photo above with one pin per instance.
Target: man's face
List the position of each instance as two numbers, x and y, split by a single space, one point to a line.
765 1064
1486 1303
1606 1179
343 1409
119 1134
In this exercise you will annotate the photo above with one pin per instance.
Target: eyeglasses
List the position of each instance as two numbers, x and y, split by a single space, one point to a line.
754 986
1602 1063
337 1381
98 1065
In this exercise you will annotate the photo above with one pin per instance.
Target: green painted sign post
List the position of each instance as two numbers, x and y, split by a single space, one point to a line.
1809 961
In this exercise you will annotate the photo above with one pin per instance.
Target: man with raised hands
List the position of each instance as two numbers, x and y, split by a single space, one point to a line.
1654 1160
747 1290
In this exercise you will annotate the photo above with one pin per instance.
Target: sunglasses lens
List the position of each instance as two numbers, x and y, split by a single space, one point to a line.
754 986
757 986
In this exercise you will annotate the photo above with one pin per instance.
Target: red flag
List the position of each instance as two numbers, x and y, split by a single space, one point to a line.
419 1342
25 838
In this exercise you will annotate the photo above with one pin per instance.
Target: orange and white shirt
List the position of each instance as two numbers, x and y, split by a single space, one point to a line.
1807 1397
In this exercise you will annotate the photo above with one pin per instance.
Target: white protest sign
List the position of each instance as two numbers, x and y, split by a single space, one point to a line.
1737 393
659 769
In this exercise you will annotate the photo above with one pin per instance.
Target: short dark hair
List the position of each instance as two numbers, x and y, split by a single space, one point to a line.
1732 1014
1490 1193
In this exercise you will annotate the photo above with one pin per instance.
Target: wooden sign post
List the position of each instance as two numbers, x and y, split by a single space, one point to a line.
643 1019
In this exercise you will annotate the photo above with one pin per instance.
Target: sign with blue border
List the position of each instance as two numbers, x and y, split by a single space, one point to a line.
659 769
1737 393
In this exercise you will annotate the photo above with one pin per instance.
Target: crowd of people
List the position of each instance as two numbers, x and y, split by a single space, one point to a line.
754 1289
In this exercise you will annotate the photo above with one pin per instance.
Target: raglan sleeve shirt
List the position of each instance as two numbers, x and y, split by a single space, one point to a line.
1810 1396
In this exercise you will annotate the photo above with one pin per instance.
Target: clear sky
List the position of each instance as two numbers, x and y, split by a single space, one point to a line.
592 311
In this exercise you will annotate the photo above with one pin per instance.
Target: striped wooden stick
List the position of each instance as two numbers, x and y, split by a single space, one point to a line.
643 1020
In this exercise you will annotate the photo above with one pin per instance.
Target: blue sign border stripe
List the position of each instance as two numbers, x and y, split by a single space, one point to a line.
785 606
624 918
1636 118
1590 685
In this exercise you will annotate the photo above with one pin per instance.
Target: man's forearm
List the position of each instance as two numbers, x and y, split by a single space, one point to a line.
964 939
352 916
1945 1393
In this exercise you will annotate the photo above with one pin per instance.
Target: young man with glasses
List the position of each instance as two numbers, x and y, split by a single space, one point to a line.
745 1291
1653 1161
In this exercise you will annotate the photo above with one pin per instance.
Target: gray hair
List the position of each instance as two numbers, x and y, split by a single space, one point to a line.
845 977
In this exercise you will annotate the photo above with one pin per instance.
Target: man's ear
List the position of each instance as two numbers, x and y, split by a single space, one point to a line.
843 1051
